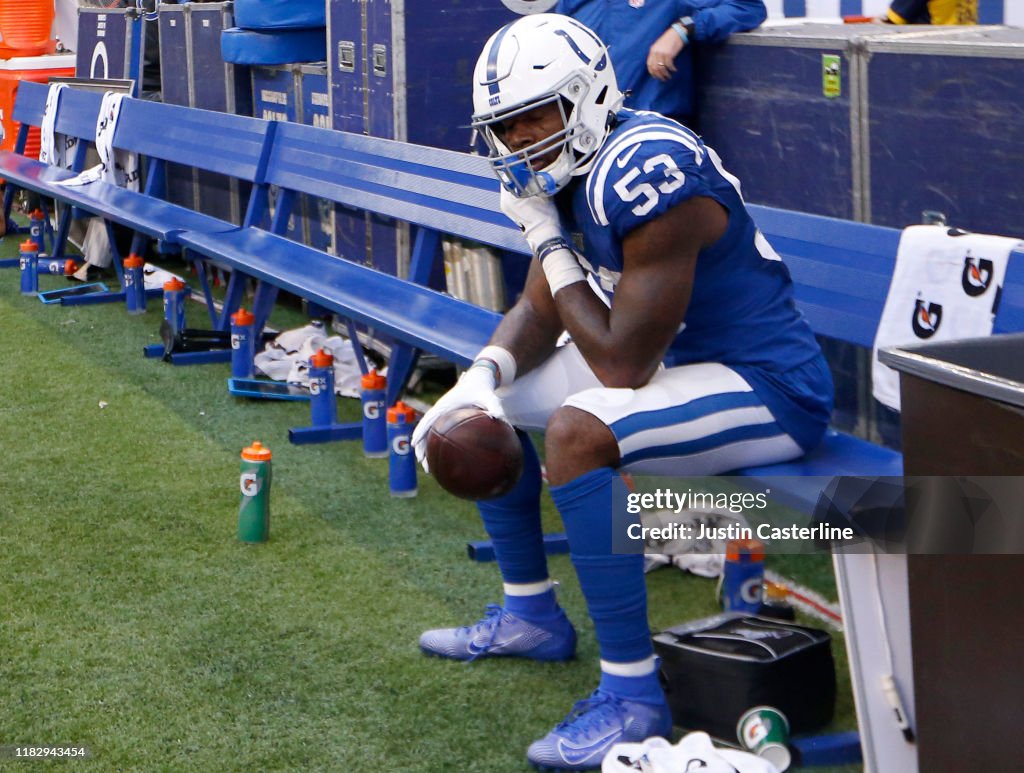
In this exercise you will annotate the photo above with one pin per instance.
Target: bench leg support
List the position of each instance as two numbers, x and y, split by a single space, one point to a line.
400 366
484 551
302 436
199 358
92 300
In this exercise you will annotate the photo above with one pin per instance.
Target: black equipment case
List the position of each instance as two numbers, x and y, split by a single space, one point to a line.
716 668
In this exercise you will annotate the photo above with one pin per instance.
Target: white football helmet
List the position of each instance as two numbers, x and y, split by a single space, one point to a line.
536 60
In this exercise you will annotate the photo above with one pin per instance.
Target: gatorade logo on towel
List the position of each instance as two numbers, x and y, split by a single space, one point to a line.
927 318
946 285
977 275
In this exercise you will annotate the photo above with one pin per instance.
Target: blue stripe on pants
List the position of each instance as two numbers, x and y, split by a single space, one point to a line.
678 414
706 443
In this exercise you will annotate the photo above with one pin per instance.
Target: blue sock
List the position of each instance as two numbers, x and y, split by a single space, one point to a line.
513 524
536 607
644 689
613 584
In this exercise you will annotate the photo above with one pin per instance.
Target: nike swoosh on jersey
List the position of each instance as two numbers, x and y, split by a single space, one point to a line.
621 161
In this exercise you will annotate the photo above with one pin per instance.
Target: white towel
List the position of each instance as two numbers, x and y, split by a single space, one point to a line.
116 166
945 286
53 148
694 752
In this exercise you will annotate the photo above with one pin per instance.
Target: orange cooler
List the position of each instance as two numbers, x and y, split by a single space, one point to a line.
29 68
26 27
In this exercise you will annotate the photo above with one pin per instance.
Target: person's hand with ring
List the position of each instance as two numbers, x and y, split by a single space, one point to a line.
661 58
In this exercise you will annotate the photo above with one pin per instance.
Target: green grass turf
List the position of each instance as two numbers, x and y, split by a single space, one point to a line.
133 622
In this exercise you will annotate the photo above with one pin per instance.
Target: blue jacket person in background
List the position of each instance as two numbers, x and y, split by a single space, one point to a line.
687 356
650 42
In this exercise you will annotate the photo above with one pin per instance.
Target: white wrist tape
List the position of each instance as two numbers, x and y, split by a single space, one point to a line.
503 361
482 374
560 267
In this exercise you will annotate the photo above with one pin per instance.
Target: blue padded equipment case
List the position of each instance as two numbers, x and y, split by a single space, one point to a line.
239 46
280 14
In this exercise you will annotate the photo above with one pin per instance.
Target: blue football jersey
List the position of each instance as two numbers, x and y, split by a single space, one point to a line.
741 311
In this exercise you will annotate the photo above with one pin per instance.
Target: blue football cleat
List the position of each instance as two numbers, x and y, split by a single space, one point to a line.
501 633
594 725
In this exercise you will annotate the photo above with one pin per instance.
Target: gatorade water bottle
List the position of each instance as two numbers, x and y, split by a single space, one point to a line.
776 603
375 431
243 344
56 266
174 304
743 575
254 509
401 460
134 284
37 226
322 403
27 257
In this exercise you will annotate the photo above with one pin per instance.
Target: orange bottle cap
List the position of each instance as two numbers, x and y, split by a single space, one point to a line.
242 317
407 412
750 549
256 453
321 359
70 267
29 246
174 285
775 592
37 214
134 261
373 380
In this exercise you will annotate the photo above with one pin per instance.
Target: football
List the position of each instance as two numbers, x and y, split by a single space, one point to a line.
473 455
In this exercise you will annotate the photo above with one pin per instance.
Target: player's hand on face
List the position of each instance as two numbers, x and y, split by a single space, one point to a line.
536 216
474 389
661 58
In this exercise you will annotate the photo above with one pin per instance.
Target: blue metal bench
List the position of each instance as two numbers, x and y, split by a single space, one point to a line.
437 191
841 272
77 119
841 269
235 146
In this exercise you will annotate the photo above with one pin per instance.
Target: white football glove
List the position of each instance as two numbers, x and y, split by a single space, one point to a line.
538 218
475 389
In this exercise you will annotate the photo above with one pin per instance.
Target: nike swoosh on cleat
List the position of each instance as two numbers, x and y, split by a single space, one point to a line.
574 755
477 649
621 161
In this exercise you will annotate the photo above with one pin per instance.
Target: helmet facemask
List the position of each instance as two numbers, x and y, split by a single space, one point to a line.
585 93
528 172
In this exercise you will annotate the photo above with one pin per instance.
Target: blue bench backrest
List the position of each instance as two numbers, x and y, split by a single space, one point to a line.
1010 317
232 145
841 270
446 191
76 115
30 103
77 112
